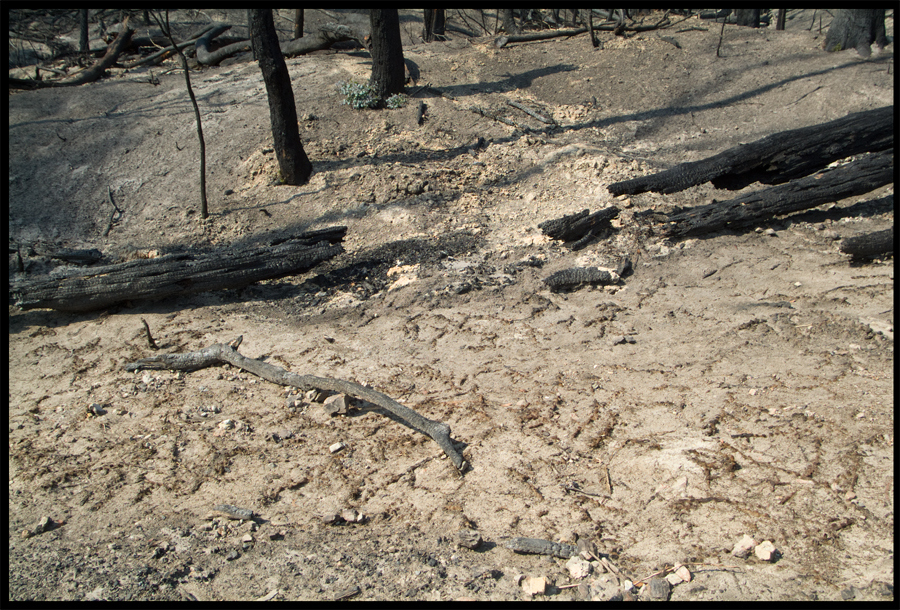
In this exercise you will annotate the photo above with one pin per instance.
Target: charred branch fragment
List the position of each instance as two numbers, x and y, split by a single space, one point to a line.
869 244
568 279
576 227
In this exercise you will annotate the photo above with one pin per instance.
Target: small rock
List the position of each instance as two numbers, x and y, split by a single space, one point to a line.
743 548
232 556
350 515
337 404
226 424
233 512
605 588
468 538
336 447
247 538
770 231
316 395
659 589
96 409
578 567
228 192
766 551
673 579
683 573
535 585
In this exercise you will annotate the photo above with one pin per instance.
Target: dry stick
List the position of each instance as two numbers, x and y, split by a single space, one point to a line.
721 34
219 353
530 112
111 214
204 208
157 57
150 340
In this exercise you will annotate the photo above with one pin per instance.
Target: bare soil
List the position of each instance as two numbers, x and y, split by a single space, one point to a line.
756 397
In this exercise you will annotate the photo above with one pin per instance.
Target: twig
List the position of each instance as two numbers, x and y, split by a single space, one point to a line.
219 353
150 340
530 112
111 214
721 35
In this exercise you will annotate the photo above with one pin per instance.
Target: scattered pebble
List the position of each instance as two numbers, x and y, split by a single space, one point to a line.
744 547
44 525
232 512
232 556
578 567
659 589
468 538
766 551
336 447
337 405
535 585
683 573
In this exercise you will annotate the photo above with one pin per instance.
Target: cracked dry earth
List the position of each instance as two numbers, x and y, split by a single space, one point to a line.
753 395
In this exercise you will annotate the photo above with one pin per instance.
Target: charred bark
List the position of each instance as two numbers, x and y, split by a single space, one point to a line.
568 279
575 227
292 160
869 244
856 29
777 158
178 274
855 178
388 69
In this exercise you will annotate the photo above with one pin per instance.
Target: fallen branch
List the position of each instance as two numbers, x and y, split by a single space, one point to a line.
537 546
491 115
212 31
220 353
90 75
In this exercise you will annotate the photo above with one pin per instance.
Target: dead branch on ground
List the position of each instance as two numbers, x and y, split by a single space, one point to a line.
90 75
220 353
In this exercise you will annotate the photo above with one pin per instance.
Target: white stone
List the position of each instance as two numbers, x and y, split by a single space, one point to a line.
578 567
765 550
743 548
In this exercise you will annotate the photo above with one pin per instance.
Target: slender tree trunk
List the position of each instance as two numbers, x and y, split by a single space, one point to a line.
292 160
388 75
856 29
83 46
204 207
298 23
779 20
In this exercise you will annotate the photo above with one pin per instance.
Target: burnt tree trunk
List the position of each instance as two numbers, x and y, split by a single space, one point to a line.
298 23
434 24
777 158
748 17
295 166
780 18
508 21
856 178
83 43
856 29
388 68
178 274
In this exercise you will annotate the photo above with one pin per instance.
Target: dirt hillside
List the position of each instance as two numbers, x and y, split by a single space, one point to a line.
737 384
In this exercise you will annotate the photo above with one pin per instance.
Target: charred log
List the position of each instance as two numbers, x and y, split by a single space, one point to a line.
177 274
777 158
869 244
855 178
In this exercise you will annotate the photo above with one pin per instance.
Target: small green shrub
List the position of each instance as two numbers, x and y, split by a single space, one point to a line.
397 101
358 95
